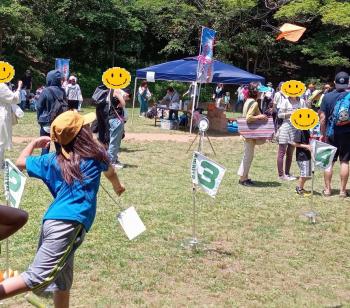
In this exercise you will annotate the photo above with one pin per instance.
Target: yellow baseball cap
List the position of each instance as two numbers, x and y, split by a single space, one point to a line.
67 126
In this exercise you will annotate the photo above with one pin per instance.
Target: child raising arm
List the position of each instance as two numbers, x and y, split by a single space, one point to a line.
72 174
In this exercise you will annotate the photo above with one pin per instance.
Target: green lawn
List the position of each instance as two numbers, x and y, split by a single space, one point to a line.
259 249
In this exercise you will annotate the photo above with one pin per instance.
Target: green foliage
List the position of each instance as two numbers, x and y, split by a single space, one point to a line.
336 13
298 8
96 34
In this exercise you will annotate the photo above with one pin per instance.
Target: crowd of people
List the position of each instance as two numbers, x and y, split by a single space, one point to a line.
259 104
72 172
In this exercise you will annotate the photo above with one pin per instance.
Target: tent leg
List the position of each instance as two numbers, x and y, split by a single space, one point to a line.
193 104
133 101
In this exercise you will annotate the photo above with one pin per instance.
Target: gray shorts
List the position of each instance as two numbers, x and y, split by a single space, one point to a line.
305 168
52 268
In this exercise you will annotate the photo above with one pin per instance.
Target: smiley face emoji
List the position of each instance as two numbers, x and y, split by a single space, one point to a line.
116 78
304 119
7 72
293 88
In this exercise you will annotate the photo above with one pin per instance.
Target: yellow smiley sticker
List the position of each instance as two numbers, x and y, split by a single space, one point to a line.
304 119
116 78
7 72
293 88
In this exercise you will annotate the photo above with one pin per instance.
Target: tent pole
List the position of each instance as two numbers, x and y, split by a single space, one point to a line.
199 93
133 101
193 103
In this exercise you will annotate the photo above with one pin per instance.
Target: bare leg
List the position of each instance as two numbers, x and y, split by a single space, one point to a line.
61 299
289 158
302 182
328 179
12 286
11 220
344 176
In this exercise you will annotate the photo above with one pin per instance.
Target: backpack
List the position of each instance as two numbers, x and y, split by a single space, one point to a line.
340 115
57 107
100 95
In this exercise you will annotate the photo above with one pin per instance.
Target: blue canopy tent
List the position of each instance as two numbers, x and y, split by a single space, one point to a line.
185 70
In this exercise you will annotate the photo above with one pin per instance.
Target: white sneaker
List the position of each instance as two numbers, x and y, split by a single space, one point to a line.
291 178
118 165
284 178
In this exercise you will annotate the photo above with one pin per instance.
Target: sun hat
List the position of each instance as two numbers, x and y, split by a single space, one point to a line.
342 80
67 126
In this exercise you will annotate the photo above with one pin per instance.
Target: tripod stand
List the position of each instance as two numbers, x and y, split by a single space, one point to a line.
202 134
203 127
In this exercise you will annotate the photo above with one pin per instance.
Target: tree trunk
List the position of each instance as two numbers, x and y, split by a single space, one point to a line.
113 49
1 40
255 64
247 62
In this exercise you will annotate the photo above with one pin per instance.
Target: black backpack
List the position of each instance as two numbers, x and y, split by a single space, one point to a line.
59 106
100 95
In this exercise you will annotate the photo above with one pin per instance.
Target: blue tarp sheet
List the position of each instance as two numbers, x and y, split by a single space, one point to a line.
185 70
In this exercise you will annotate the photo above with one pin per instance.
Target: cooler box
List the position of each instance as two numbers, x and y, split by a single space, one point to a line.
232 127
169 124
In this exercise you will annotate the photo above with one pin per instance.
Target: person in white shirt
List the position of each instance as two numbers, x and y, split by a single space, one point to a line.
172 98
7 98
143 96
74 96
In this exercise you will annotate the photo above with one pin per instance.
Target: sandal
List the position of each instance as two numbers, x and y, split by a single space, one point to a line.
326 194
344 194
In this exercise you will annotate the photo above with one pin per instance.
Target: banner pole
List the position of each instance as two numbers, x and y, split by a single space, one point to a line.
193 105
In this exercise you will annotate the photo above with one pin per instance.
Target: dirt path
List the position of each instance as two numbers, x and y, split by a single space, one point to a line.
141 137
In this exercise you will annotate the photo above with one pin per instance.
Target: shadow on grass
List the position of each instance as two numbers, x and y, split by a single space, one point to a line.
266 184
130 166
131 150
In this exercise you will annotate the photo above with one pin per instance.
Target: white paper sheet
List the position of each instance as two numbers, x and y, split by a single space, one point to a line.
150 76
131 223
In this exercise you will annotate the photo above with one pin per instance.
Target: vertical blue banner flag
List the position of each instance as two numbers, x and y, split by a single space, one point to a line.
206 56
63 66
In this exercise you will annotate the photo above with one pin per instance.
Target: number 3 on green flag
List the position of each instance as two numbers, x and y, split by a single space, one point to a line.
209 175
206 173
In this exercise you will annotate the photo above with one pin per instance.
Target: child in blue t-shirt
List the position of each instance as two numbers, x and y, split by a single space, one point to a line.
72 175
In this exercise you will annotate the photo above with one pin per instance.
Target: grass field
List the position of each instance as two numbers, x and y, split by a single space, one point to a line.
259 249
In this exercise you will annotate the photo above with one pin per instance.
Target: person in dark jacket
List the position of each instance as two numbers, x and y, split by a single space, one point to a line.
46 99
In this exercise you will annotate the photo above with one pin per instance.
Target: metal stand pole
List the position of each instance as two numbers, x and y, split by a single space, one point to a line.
211 145
193 242
194 140
7 259
6 180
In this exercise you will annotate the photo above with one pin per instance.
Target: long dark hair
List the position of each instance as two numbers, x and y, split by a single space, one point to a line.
83 146
253 90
